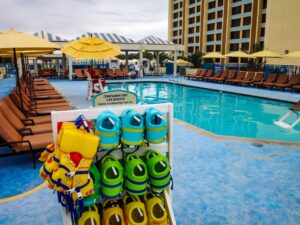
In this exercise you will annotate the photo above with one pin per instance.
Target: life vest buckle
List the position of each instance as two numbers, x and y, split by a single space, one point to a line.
71 174
79 196
70 191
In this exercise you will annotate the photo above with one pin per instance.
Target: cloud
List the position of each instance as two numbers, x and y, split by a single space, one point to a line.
135 19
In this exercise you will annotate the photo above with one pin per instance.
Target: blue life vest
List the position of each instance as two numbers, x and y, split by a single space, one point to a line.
108 132
155 126
132 129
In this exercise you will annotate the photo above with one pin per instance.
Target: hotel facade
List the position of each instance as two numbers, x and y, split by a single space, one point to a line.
229 25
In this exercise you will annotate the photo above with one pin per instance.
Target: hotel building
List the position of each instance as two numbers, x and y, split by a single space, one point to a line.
217 25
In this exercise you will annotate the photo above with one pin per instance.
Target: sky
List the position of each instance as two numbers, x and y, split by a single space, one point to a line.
68 19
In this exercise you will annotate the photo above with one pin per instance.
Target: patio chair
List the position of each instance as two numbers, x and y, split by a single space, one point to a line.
198 71
126 73
119 73
200 75
231 76
270 79
293 81
217 74
248 78
79 75
19 143
222 77
111 74
19 125
282 79
240 76
208 74
28 120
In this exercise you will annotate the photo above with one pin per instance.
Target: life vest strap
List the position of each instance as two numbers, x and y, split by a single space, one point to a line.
55 159
47 171
135 182
155 129
134 130
64 167
112 186
137 192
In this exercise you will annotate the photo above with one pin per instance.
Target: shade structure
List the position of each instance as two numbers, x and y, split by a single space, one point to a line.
238 54
91 48
182 62
266 54
295 54
213 55
33 53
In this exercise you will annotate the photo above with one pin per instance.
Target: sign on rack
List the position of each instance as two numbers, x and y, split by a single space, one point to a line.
117 97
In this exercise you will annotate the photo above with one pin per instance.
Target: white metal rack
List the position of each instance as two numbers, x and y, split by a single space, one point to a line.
164 148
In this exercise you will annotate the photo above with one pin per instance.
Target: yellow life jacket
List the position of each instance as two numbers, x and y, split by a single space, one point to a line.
48 151
71 177
112 213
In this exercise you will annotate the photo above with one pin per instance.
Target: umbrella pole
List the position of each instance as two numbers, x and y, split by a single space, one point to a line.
17 78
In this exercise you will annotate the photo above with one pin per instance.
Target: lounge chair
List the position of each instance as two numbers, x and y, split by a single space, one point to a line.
217 74
119 73
247 79
271 79
111 74
223 76
231 76
79 75
28 120
19 125
64 75
293 81
240 76
197 73
126 73
200 75
208 74
19 143
98 72
282 79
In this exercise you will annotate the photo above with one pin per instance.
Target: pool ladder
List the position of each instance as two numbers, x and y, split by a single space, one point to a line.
176 79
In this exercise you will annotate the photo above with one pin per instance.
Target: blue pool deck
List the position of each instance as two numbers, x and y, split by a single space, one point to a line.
216 181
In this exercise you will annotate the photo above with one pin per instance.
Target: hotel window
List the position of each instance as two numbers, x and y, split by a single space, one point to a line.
175 33
198 8
175 24
190 49
197 48
263 18
191 30
210 37
219 14
192 20
233 1
211 16
175 41
180 23
198 19
211 26
265 3
235 35
180 14
234 47
191 40
246 33
211 5
209 48
262 32
192 1
247 20
180 4
179 41
197 29
236 10
219 25
218 37
245 46
175 15
197 39
176 6
248 7
220 3
218 48
192 10
180 32
236 23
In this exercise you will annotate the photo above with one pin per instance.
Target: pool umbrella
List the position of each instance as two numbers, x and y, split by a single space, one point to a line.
265 54
91 48
238 54
295 54
213 55
182 62
16 42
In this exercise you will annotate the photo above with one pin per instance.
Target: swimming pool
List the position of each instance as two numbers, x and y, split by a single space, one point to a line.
218 112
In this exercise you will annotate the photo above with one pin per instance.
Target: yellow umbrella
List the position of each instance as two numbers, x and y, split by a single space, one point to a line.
295 54
182 62
266 54
238 54
213 55
90 48
33 53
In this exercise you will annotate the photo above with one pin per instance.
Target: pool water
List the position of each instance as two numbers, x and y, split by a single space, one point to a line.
218 112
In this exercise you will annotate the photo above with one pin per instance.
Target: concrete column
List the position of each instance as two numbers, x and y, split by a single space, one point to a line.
64 62
35 65
175 64
157 63
126 59
141 62
70 68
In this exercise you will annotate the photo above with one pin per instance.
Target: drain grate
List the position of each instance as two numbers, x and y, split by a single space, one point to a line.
257 145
